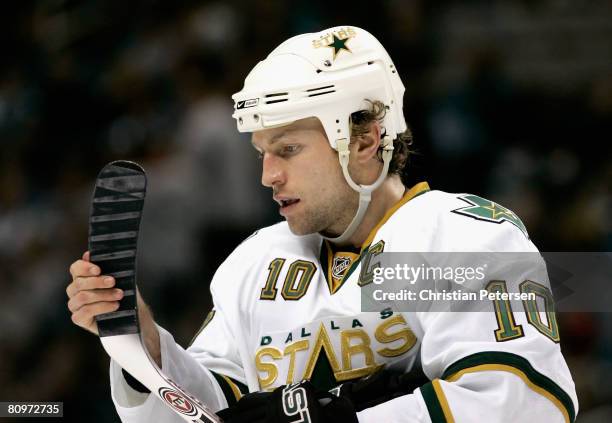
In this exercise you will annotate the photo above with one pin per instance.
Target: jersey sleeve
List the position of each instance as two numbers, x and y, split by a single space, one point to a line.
475 398
503 364
210 368
180 365
215 349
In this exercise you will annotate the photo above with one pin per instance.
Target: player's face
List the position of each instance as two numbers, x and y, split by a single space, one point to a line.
307 182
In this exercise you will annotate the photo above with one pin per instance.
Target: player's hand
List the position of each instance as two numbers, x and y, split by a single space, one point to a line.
376 388
90 294
290 403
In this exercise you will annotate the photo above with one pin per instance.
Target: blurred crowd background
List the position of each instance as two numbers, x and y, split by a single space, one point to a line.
511 100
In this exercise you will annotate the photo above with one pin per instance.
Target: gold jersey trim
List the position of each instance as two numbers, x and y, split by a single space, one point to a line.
448 415
416 190
520 374
328 254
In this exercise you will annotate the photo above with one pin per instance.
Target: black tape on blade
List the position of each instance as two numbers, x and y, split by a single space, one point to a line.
114 222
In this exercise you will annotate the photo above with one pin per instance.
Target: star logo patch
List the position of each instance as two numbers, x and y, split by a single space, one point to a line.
482 209
336 40
338 45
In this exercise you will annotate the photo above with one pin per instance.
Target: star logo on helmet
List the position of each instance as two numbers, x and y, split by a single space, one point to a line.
338 45
336 40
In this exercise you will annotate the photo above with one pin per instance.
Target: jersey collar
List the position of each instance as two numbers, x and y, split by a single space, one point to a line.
329 251
415 191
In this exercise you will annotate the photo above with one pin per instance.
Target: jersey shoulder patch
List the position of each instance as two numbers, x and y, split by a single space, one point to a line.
486 210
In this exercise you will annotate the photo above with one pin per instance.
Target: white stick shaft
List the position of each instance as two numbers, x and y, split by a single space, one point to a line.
129 352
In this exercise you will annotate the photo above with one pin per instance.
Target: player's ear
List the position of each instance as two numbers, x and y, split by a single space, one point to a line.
365 147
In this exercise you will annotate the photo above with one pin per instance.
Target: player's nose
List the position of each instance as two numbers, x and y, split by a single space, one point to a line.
272 172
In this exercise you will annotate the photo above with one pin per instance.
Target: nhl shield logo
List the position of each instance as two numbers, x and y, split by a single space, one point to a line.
341 263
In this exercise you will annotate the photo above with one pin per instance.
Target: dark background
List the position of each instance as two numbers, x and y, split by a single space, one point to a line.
511 100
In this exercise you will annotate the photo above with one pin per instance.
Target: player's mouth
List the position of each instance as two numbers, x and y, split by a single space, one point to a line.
286 204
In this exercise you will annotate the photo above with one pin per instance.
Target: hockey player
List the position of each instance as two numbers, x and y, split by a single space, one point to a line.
325 110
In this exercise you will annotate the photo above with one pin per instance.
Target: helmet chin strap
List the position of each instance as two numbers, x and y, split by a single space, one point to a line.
365 191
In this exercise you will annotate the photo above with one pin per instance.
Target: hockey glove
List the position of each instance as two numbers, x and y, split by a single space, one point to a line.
376 388
299 402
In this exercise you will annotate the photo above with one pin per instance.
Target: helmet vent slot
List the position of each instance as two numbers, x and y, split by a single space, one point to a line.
276 101
321 93
326 89
276 98
320 88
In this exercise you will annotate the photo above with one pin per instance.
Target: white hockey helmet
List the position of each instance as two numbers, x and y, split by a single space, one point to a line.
328 75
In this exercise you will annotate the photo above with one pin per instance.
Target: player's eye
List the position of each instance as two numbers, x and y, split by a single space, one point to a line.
259 155
290 149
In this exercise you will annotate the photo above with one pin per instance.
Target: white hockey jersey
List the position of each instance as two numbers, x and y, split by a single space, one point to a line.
288 308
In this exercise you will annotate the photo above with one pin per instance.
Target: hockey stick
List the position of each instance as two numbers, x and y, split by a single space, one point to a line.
116 208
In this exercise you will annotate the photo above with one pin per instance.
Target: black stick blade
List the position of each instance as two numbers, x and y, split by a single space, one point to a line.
114 222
